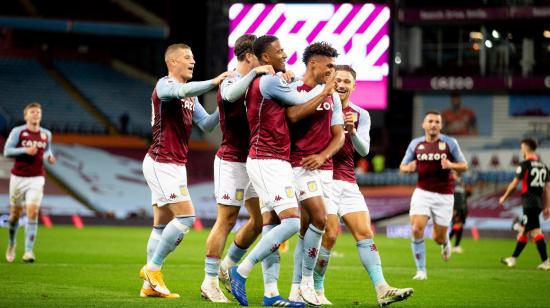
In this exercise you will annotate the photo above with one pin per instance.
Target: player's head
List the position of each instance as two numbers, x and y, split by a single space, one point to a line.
180 61
33 113
432 123
345 81
268 50
455 100
244 49
528 146
319 60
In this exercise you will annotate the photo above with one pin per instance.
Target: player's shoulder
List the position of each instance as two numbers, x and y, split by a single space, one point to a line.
45 130
448 139
166 80
18 129
231 79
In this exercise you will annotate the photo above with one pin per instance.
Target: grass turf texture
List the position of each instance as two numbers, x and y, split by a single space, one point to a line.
98 266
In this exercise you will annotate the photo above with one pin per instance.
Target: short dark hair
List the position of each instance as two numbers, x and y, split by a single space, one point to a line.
531 143
319 49
455 94
261 44
244 45
434 112
346 68
31 105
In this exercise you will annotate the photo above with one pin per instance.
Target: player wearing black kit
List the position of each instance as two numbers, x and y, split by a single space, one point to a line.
460 211
534 177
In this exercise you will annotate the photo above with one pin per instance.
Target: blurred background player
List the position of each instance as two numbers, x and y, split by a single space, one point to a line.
460 211
231 183
433 156
175 109
29 144
314 140
535 181
349 200
268 159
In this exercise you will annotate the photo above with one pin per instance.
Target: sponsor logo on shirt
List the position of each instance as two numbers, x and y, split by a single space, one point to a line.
430 156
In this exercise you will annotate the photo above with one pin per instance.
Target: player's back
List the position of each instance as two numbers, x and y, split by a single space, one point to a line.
269 135
312 134
235 131
30 165
171 124
534 174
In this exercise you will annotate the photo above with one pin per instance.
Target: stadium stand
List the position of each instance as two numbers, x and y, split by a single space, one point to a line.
24 80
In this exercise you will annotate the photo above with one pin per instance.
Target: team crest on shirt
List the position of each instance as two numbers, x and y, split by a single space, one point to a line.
442 146
43 135
239 194
312 186
183 190
289 191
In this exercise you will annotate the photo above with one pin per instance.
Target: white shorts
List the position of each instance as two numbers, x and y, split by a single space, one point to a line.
438 206
231 183
26 190
315 183
348 198
273 181
168 182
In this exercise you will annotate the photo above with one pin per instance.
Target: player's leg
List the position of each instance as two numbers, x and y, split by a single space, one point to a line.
441 207
327 243
298 258
33 197
523 236
273 181
248 233
13 225
419 216
538 237
272 263
215 243
160 220
457 229
359 225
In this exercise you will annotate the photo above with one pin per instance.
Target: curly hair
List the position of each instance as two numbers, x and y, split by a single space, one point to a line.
244 45
319 49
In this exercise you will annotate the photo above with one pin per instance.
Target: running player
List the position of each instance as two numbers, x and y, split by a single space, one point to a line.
460 211
349 202
433 156
315 140
231 183
174 109
268 158
29 144
535 180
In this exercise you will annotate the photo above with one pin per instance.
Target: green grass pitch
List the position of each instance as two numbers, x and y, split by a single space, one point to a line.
98 267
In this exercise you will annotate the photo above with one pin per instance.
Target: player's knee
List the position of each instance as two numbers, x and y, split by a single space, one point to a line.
417 231
329 238
319 221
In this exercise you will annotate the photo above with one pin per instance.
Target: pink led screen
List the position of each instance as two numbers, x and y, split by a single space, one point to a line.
360 33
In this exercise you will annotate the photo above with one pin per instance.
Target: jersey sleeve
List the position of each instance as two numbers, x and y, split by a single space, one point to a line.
48 151
233 88
205 121
10 147
169 88
520 170
337 114
409 154
276 88
361 140
455 150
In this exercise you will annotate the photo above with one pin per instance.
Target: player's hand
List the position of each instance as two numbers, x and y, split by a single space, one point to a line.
312 162
288 76
330 85
52 160
349 122
220 78
264 69
412 166
546 213
32 151
445 163
501 200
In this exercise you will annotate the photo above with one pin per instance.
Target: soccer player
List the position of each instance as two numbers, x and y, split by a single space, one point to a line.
535 180
174 110
268 158
231 182
29 144
460 211
349 201
315 140
433 156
